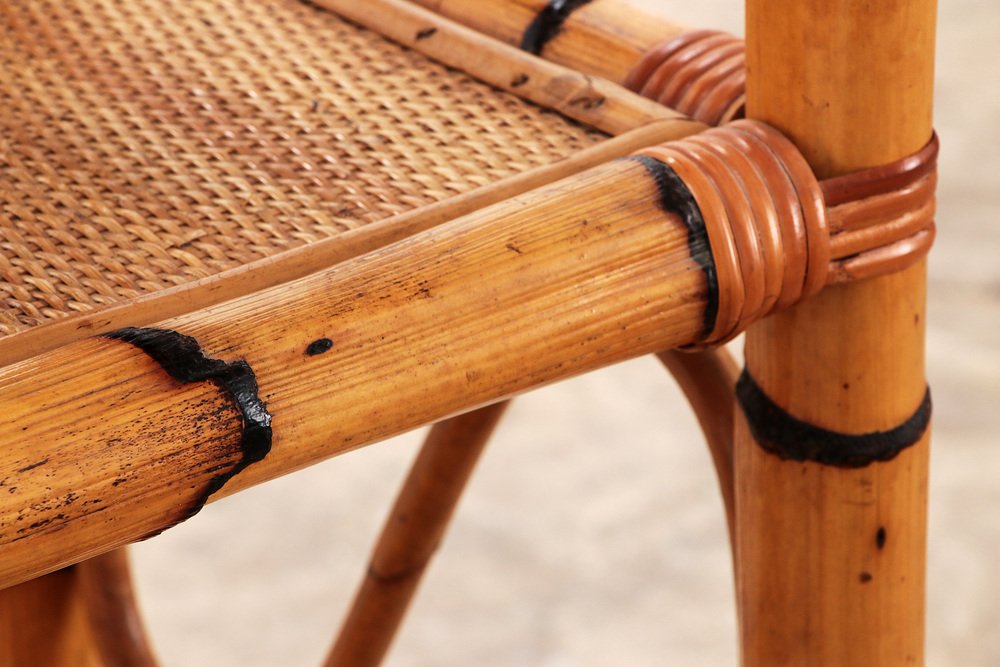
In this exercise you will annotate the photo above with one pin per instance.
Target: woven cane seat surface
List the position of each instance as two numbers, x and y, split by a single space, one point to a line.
148 143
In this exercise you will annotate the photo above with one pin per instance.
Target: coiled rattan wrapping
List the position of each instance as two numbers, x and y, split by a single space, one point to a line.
778 235
701 73
148 143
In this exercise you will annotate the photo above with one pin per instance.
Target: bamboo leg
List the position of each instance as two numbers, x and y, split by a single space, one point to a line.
43 623
411 534
708 380
831 559
115 621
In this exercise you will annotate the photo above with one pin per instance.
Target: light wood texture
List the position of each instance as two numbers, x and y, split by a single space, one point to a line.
322 254
817 583
412 533
603 38
590 100
102 447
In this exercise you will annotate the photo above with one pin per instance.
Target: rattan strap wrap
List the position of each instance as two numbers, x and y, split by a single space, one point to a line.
149 143
701 73
775 238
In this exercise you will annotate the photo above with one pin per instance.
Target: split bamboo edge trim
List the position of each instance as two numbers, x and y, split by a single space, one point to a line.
778 235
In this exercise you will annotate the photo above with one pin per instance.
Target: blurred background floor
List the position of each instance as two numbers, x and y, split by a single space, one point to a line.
592 533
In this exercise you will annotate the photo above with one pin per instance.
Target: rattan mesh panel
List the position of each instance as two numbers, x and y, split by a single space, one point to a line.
148 143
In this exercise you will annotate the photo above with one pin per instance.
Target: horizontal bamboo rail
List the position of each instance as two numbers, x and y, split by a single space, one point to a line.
302 261
105 445
605 38
591 100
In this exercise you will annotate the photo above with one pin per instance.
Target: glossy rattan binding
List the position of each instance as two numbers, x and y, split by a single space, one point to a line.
778 235
701 73
149 144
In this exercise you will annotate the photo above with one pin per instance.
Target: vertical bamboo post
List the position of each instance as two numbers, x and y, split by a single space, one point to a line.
831 560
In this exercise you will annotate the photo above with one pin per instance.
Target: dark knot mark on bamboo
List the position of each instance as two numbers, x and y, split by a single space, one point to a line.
676 198
319 346
548 24
791 438
182 358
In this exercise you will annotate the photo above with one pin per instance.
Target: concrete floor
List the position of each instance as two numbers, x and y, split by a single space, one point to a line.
592 534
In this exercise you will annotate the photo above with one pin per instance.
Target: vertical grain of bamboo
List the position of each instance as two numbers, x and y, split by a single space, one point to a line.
831 560
115 622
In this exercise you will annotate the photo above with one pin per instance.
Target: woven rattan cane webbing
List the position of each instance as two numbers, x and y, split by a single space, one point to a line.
147 143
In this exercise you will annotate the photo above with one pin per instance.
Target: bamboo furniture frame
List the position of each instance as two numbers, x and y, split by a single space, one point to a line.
803 219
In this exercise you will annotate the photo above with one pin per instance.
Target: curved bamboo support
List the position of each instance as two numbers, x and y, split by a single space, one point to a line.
44 623
708 380
603 38
114 618
106 443
831 559
412 533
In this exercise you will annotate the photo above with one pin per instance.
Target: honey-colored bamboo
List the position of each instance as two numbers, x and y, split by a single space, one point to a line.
831 560
590 100
708 380
412 533
103 446
322 254
44 623
605 38
112 611
84 616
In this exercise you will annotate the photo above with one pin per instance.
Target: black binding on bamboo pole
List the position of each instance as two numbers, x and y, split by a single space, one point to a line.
548 24
182 358
676 197
788 437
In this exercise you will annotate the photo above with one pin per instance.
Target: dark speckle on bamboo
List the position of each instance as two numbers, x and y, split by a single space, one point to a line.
37 464
319 346
519 80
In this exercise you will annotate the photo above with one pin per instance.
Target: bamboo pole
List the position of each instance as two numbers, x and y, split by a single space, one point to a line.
105 589
302 261
106 444
592 101
605 38
115 622
708 380
44 623
411 535
831 560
